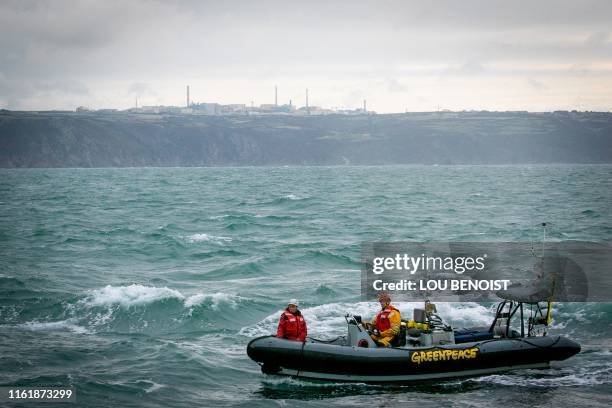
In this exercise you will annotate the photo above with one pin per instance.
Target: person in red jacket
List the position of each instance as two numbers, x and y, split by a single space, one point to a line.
292 325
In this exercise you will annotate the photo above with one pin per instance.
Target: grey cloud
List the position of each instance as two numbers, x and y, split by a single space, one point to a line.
598 39
471 68
257 38
17 93
140 89
63 86
151 42
468 68
393 85
445 14
537 85
56 27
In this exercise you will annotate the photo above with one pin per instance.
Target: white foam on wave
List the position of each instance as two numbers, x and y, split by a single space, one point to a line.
213 349
570 319
139 295
112 298
207 238
132 295
102 318
461 315
327 321
154 386
218 217
53 326
215 299
306 384
292 197
568 380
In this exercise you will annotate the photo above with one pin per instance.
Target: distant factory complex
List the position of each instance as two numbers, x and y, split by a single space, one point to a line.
212 108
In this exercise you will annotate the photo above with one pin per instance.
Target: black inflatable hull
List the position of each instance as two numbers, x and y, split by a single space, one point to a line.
341 363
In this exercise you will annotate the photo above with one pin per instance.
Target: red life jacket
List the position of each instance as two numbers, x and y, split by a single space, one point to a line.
382 318
292 327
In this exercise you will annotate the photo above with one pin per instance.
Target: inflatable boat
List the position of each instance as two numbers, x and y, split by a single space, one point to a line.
426 349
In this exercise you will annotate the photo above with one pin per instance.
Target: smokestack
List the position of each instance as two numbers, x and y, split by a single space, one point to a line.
364 106
307 108
275 95
187 95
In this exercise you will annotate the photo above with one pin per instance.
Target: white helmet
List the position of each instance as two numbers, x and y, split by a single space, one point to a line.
293 302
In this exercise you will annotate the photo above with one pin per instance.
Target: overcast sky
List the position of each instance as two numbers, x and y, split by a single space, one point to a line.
419 56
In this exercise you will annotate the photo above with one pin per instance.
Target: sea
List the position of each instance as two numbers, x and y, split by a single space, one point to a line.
141 287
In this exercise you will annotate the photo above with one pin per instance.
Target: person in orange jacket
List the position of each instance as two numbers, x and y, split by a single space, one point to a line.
292 325
387 322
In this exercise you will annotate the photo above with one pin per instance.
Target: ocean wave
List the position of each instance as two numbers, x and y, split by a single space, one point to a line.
214 350
274 217
69 324
291 197
286 198
9 282
291 382
153 386
236 226
219 217
216 253
324 290
552 379
142 309
328 256
140 295
207 238
214 300
132 295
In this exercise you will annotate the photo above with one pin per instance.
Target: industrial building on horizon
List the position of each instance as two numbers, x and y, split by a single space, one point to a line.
214 108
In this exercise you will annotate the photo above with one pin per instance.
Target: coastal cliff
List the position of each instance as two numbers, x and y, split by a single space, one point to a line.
70 139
